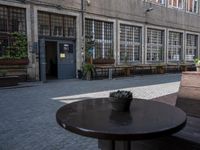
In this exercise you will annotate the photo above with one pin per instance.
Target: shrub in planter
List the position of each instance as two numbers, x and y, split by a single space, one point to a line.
16 53
197 63
104 61
121 100
88 71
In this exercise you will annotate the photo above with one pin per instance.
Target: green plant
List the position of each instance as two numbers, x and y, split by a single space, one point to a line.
88 70
120 94
18 48
3 73
197 61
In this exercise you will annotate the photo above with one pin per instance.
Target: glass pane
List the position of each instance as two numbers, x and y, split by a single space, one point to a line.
3 19
44 24
17 20
70 26
57 25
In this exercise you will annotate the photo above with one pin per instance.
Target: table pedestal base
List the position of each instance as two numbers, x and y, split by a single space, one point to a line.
114 145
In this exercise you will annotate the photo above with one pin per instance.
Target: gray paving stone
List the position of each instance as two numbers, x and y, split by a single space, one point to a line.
27 112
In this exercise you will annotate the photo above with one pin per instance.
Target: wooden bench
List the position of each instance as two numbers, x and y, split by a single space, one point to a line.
188 99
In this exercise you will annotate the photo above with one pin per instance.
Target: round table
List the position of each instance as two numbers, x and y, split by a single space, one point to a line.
145 120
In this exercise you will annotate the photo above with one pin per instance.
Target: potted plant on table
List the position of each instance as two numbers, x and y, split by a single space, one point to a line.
121 100
197 63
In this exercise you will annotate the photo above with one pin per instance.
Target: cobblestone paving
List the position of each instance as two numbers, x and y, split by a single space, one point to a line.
27 113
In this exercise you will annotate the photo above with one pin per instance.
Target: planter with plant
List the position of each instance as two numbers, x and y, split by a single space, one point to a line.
160 68
197 63
16 53
103 61
121 100
88 71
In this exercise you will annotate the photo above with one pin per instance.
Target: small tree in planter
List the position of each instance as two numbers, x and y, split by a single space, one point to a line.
121 100
88 71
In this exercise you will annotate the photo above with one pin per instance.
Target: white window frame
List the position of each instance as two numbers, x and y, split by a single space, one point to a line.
156 45
193 6
181 55
104 19
142 39
196 47
177 4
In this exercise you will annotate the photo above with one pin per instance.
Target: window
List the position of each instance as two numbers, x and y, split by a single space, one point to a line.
100 33
175 46
192 6
12 19
162 2
44 24
191 47
155 45
176 3
56 25
130 43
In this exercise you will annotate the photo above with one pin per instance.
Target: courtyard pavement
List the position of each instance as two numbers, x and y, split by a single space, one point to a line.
27 112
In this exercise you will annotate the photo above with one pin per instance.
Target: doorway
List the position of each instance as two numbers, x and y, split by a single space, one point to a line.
57 59
51 60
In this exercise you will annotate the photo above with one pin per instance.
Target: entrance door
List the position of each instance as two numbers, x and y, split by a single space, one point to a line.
66 60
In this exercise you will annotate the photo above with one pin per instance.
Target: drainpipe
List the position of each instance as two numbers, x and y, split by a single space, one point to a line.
82 16
82 34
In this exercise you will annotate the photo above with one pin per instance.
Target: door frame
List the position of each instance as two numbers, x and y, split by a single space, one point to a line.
42 65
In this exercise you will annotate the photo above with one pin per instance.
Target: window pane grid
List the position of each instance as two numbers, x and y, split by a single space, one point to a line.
101 33
130 43
12 19
56 25
155 45
191 47
175 46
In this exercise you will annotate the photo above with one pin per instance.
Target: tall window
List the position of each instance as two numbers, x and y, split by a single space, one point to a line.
101 34
155 45
192 6
191 47
130 43
175 46
12 19
56 25
176 3
162 2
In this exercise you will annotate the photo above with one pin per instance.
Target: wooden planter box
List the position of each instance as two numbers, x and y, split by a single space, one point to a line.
103 61
160 69
9 81
7 61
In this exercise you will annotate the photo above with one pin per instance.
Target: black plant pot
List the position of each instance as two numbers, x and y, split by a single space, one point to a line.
120 104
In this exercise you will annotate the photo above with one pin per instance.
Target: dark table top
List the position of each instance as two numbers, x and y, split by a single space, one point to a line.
146 119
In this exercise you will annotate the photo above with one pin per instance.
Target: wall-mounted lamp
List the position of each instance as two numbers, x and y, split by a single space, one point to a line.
88 2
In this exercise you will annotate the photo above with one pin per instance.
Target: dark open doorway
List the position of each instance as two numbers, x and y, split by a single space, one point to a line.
51 60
